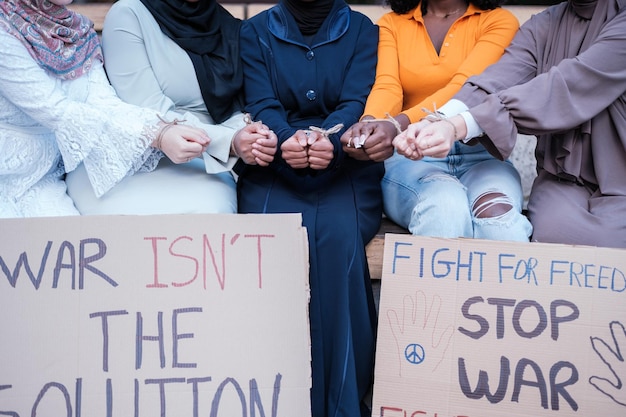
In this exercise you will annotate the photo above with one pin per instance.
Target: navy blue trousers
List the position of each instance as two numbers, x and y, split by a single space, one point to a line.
340 219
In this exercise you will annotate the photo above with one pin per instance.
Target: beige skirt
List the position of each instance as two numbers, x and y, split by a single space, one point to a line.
169 189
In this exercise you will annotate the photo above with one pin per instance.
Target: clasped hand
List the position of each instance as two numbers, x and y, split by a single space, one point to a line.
255 144
308 149
181 143
369 140
425 138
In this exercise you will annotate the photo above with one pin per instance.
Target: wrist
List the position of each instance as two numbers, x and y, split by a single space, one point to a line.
394 122
460 128
455 132
158 142
457 122
233 149
388 118
164 127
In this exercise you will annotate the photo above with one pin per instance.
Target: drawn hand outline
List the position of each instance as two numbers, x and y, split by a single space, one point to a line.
419 325
613 358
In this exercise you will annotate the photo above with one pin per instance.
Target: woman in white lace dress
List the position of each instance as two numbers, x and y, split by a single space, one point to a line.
57 110
181 59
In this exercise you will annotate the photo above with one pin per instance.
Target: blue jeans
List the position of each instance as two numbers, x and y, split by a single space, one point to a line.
435 197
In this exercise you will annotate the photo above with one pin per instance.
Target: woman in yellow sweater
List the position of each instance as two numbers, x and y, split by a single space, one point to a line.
426 51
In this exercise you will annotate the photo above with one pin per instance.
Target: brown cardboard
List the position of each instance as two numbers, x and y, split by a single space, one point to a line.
541 325
141 316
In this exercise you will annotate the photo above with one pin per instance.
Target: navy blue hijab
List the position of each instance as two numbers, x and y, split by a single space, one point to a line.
309 14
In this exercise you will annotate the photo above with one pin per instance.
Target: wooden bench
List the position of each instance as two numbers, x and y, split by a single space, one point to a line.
375 249
244 9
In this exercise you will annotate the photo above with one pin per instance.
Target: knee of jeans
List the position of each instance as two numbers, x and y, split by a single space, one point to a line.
439 176
491 204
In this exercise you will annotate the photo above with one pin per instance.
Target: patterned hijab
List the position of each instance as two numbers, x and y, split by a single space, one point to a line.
62 42
210 36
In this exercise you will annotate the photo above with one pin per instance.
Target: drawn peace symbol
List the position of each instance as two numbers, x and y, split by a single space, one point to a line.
414 353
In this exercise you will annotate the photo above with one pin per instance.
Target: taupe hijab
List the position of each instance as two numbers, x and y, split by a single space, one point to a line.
584 8
564 154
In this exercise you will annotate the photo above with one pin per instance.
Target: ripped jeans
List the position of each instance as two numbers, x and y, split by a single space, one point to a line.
452 196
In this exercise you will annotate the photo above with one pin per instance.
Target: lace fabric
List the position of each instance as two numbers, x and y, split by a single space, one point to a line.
49 126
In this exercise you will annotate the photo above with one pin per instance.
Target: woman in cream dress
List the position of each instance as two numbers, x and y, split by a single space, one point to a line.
181 59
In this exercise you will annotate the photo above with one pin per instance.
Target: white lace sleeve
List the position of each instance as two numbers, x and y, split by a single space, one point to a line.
90 123
124 136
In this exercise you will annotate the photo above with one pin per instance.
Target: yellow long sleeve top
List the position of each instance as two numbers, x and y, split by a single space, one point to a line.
410 75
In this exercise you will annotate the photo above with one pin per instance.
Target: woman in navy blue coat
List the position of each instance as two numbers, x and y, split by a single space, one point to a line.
309 65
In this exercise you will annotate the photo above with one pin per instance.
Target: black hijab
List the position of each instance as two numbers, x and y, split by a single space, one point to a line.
309 15
210 35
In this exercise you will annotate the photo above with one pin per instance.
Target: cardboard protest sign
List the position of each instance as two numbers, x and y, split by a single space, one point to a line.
490 329
144 316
